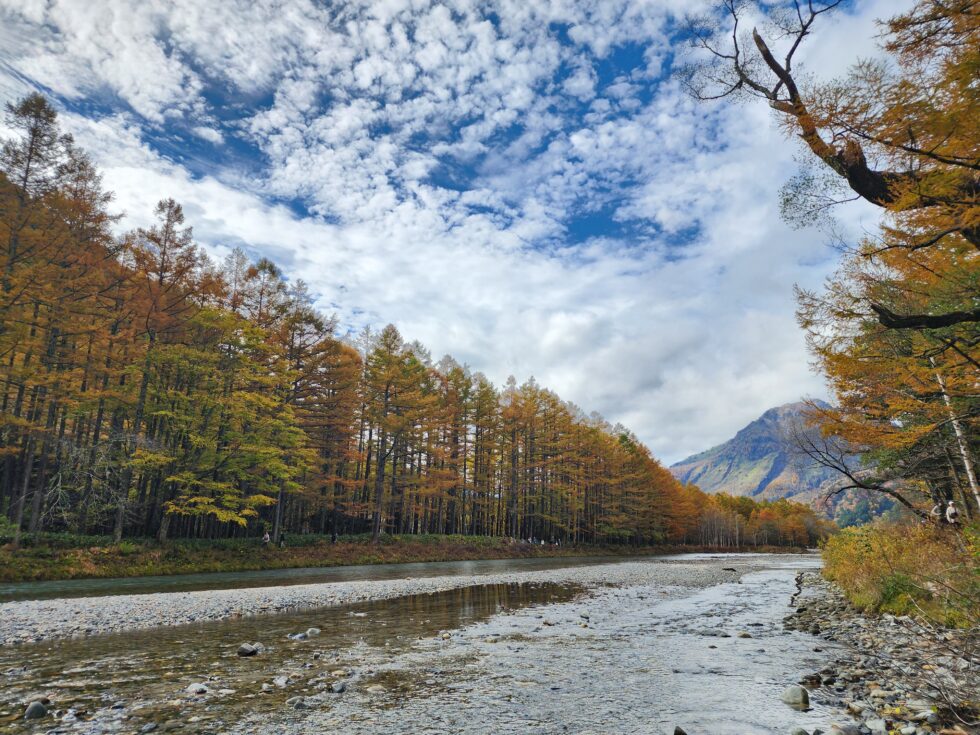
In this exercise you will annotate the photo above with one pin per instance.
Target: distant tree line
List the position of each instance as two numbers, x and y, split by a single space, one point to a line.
727 521
147 391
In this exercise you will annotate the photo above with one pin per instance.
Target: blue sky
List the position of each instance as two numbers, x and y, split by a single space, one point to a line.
521 183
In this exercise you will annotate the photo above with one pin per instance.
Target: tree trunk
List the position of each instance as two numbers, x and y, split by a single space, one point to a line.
22 497
961 441
379 487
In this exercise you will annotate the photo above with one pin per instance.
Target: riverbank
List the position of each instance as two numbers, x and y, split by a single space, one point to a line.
631 646
62 558
38 620
903 674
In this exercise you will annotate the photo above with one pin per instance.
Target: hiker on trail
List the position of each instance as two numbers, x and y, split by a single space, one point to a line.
952 515
266 539
282 541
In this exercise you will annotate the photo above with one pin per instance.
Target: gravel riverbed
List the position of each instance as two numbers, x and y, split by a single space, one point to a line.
899 675
643 646
37 620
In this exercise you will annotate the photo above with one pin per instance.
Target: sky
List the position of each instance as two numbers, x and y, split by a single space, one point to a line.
522 184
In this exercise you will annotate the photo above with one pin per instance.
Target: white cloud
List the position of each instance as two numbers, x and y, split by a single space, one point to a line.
209 134
364 111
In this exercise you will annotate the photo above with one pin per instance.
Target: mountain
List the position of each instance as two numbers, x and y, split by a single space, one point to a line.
760 460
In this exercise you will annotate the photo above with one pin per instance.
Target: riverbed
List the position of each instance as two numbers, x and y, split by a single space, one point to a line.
633 646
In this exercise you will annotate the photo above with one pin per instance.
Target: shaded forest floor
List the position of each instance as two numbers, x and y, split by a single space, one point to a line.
55 557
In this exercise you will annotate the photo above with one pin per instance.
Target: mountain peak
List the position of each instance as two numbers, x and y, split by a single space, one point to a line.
759 461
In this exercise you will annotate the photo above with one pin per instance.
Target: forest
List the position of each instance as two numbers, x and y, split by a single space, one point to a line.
151 392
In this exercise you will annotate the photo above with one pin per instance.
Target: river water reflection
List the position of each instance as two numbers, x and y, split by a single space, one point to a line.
278 577
144 674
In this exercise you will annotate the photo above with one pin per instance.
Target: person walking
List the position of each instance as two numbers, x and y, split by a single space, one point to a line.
952 515
266 539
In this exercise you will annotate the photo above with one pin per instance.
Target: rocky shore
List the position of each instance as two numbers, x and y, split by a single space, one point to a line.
903 676
36 620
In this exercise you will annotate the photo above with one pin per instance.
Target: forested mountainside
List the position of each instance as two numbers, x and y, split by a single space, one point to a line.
147 391
761 460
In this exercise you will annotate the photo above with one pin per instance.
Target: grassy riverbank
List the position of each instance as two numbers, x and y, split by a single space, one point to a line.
909 569
70 557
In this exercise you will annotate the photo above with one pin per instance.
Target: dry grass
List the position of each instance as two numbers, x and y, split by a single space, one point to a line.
912 569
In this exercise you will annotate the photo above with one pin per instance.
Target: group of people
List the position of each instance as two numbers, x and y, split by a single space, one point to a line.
281 543
534 541
950 515
267 540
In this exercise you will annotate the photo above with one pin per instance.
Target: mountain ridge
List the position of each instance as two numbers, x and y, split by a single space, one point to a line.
759 461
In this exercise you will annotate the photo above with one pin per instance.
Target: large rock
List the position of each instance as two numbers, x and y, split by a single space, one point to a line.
247 649
196 688
796 696
35 710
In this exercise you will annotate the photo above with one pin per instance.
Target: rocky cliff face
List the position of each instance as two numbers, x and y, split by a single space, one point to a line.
760 460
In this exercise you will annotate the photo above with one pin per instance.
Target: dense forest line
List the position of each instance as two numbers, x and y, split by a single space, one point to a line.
148 391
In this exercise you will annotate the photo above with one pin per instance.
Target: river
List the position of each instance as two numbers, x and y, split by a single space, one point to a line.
278 577
505 658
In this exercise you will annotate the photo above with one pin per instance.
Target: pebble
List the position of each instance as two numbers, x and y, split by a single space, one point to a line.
247 649
796 696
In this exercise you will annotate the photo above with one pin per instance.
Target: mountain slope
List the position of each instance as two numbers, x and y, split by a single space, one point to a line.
760 460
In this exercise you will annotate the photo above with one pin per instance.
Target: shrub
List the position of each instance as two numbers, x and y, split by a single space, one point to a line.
904 568
52 540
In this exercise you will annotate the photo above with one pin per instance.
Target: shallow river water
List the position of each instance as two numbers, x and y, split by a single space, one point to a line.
278 577
529 659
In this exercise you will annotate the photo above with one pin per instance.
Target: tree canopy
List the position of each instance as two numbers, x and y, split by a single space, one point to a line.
895 329
148 391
